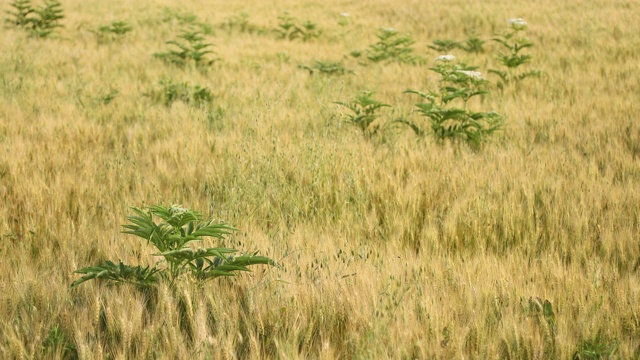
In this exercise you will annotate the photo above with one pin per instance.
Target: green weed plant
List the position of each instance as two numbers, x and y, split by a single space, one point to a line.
447 108
170 91
113 31
514 43
178 239
472 44
291 28
183 19
364 112
391 46
189 48
40 21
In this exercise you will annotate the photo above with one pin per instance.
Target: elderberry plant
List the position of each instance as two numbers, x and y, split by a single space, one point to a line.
189 48
364 112
391 46
514 42
40 21
447 108
291 28
178 239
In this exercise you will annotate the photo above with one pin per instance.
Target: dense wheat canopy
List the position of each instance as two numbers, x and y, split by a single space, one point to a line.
388 245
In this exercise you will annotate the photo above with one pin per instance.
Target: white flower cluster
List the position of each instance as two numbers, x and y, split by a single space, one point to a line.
445 58
518 24
471 74
389 30
345 14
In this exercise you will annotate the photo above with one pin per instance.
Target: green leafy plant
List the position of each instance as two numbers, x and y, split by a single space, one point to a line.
115 30
20 16
191 49
391 46
309 30
40 21
472 44
444 45
287 28
326 67
598 347
514 43
177 238
56 342
447 108
364 112
117 27
170 92
185 18
47 18
291 28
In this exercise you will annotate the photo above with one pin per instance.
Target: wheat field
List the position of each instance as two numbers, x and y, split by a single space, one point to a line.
388 246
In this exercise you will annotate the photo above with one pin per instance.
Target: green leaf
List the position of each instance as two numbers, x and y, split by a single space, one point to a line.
416 129
502 74
230 267
214 230
504 42
118 273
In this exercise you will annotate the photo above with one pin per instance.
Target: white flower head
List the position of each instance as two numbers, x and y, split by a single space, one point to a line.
518 24
345 14
445 58
471 74
389 29
177 209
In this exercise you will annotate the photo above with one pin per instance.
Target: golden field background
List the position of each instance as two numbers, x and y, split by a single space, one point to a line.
390 247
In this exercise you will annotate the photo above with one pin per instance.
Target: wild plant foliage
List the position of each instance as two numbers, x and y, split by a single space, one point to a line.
447 110
598 346
185 19
472 44
170 91
114 30
514 42
20 15
291 28
40 21
392 46
188 48
364 112
178 239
